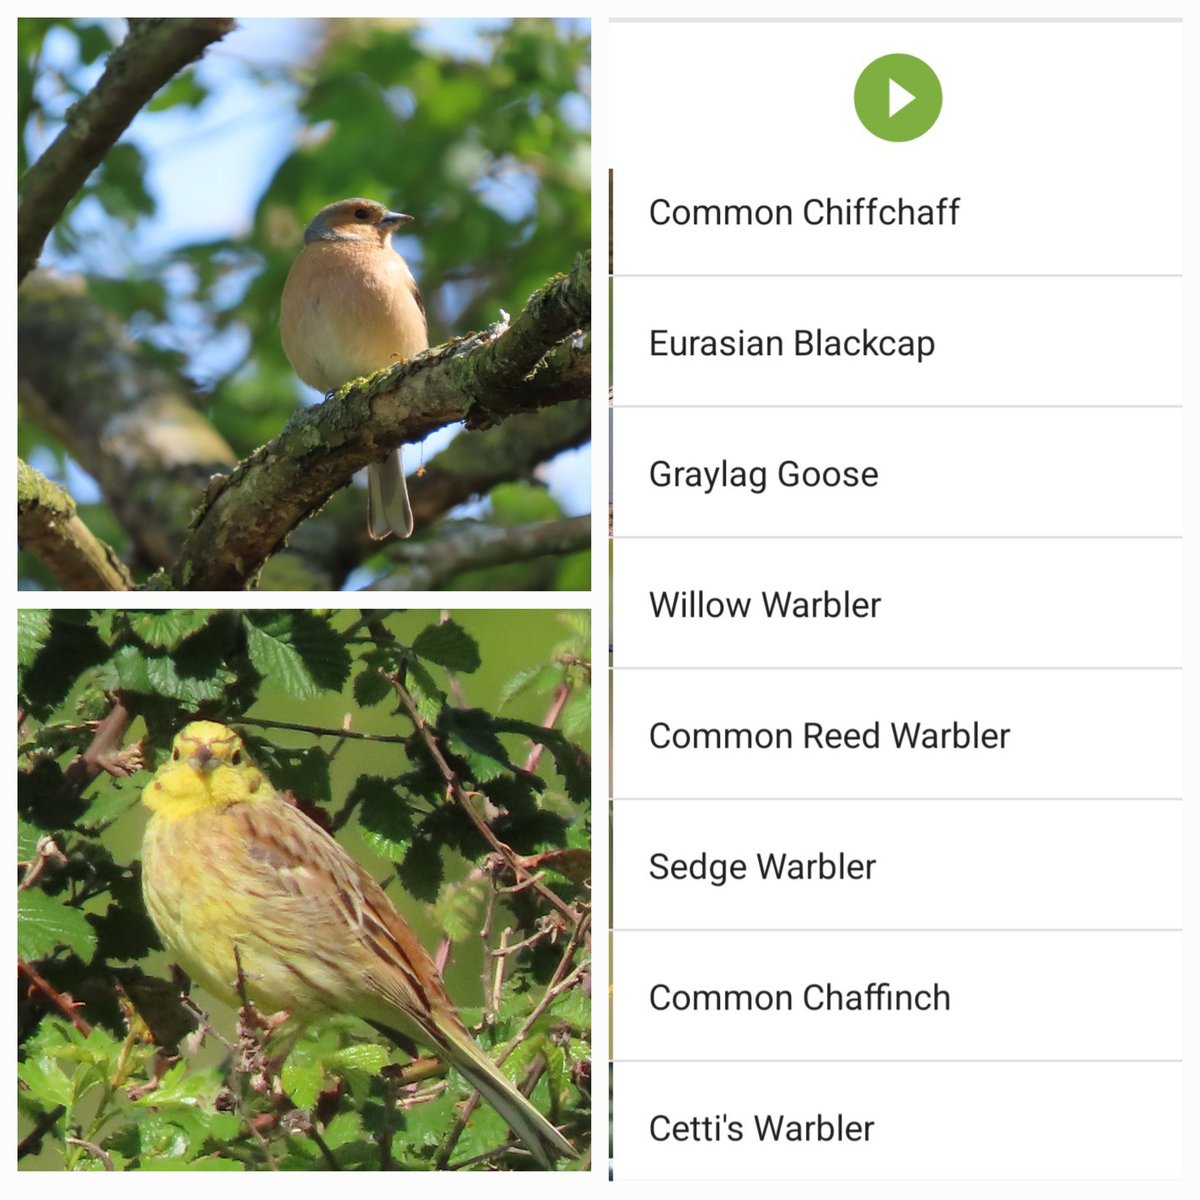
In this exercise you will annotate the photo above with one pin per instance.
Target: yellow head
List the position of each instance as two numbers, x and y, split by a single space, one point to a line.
208 767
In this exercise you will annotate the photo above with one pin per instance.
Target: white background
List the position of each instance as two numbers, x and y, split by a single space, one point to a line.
1063 141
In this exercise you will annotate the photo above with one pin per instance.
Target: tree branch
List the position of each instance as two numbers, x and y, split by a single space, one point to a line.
428 566
127 421
480 379
153 51
478 460
49 528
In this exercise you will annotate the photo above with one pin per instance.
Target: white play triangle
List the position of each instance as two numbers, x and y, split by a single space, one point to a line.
898 97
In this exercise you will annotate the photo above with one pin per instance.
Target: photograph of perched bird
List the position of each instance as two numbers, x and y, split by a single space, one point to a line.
203 228
240 881
304 889
350 307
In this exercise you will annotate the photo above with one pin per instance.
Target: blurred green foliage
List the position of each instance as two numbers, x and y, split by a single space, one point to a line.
484 681
489 151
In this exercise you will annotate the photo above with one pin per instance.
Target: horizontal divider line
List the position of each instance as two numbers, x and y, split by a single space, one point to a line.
904 799
893 275
711 1177
1172 1061
895 20
885 406
777 667
886 929
899 537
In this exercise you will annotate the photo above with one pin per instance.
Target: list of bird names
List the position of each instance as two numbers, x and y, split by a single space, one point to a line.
897 594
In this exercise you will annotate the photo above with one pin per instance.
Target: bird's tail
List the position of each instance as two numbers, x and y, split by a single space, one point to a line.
388 509
542 1140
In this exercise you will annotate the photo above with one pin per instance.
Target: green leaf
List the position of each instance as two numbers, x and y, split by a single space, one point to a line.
73 647
44 923
304 773
385 819
449 645
302 1080
362 1056
33 629
165 630
421 872
28 837
370 687
522 681
425 691
48 1083
298 650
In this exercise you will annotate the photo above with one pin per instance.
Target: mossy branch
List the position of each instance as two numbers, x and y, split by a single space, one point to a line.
481 379
154 50
48 527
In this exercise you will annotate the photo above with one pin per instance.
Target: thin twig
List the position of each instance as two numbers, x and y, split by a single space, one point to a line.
321 730
100 1153
459 793
60 1000
561 692
559 983
48 850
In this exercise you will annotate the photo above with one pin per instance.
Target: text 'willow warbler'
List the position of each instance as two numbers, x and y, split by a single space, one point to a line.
350 308
227 862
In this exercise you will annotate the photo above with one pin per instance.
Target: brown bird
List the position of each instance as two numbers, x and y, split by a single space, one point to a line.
350 307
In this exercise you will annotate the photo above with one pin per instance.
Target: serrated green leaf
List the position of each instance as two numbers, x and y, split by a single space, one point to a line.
302 1080
370 687
298 650
460 907
429 697
189 683
166 629
109 798
449 645
48 1083
33 630
384 817
522 681
345 1127
421 872
44 923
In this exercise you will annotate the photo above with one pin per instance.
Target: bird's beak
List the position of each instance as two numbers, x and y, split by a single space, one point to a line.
203 760
391 220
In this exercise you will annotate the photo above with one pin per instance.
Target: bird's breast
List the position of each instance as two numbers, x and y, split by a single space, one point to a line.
349 310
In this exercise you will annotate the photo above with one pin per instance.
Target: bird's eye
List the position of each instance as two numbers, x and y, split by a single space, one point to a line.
361 214
235 757
175 755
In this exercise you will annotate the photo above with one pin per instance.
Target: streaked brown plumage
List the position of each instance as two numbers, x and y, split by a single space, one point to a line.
226 863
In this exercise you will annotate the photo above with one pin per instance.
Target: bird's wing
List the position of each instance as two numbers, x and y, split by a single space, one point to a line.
391 978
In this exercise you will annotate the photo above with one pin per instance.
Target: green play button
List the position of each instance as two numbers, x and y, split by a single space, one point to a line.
898 97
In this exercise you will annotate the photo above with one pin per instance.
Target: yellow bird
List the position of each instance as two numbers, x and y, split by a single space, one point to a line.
226 862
